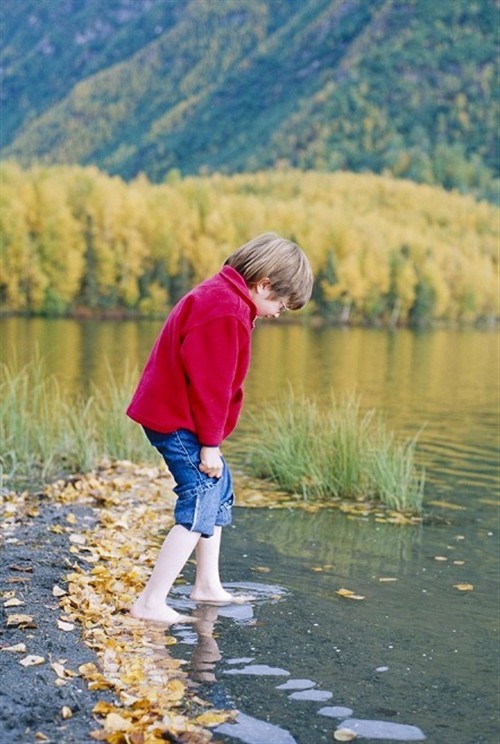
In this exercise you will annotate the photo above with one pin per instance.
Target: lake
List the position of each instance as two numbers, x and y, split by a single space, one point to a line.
417 658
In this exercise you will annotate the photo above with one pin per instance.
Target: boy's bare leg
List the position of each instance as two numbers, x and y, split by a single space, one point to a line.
175 551
207 586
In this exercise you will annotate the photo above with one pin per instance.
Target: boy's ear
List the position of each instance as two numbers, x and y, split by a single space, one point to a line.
263 284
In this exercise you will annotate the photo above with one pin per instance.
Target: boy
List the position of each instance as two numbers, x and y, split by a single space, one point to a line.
189 398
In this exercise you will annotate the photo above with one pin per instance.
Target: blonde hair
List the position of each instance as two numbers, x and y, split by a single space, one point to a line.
269 256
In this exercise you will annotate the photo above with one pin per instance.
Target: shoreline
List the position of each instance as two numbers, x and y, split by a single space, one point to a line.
315 321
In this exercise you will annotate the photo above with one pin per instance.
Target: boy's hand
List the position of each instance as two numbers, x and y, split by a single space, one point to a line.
211 462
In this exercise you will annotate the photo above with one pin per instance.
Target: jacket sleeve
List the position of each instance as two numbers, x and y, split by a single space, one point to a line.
210 356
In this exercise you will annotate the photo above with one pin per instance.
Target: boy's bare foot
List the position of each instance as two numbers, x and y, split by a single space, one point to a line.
220 597
159 613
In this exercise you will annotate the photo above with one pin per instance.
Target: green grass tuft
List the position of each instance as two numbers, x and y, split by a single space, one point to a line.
316 451
46 433
334 451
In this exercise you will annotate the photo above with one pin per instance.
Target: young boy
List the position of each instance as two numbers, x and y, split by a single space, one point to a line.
189 398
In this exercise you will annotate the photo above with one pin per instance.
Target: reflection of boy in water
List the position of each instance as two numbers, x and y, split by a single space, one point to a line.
206 652
189 399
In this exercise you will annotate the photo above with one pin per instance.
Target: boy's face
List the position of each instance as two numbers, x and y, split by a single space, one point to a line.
268 306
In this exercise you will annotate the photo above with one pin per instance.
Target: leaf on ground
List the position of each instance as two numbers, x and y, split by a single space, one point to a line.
32 660
103 707
261 569
115 722
77 539
213 718
345 734
148 688
387 579
14 602
21 621
66 712
65 626
464 587
348 594
61 670
19 648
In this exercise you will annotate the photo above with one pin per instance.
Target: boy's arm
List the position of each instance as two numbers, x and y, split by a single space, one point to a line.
210 356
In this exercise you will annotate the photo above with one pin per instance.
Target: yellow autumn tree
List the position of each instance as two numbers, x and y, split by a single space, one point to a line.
381 249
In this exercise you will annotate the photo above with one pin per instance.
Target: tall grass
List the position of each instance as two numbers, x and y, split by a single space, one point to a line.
334 451
316 451
46 432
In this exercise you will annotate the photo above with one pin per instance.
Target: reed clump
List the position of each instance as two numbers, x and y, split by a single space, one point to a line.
334 452
319 452
46 432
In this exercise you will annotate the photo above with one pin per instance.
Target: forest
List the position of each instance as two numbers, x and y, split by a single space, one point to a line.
403 87
75 240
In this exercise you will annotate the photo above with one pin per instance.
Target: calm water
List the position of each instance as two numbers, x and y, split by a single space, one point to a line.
416 658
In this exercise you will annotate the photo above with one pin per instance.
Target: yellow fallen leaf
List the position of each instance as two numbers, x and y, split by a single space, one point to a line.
175 690
56 528
14 602
32 660
126 699
115 722
387 578
440 558
19 648
65 626
348 594
58 592
102 708
77 539
464 587
211 718
58 669
71 519
23 621
61 670
344 734
88 669
66 712
261 569
39 736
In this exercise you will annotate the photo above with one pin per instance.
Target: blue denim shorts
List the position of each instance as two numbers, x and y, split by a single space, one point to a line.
202 502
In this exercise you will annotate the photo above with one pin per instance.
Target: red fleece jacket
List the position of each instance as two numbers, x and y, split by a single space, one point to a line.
194 375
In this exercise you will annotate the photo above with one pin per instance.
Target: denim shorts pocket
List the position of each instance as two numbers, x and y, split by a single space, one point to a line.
202 502
225 512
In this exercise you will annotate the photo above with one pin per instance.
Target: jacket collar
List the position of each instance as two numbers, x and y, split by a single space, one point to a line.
236 280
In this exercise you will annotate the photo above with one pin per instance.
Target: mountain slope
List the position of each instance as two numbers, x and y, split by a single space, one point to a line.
405 86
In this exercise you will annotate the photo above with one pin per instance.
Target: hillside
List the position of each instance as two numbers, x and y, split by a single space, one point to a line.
407 87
